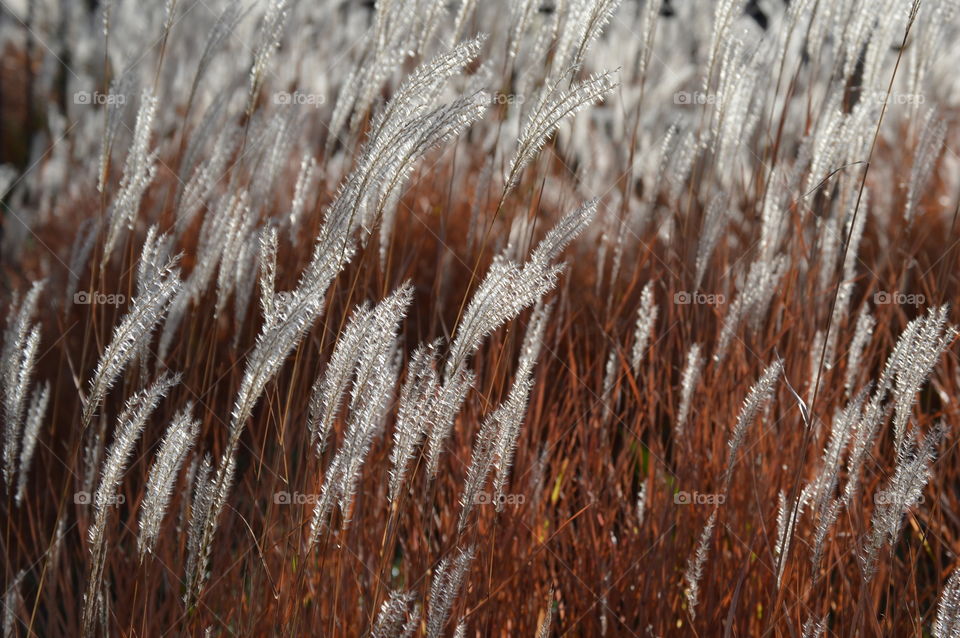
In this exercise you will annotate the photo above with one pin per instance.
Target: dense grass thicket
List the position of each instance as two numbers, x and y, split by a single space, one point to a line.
470 318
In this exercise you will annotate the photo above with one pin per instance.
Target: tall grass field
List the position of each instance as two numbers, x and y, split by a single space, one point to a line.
432 318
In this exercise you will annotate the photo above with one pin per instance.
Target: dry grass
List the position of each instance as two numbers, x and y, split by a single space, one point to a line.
571 529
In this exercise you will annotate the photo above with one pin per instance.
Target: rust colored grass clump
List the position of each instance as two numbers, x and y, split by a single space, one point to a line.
713 385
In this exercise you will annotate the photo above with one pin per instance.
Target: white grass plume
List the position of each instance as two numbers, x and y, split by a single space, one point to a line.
388 145
422 87
31 431
417 404
450 396
521 14
131 421
444 588
278 336
509 288
714 222
130 424
327 393
930 340
814 627
901 493
308 167
688 383
429 131
177 441
842 430
200 187
156 252
694 571
544 630
947 623
554 106
641 503
213 241
367 360
876 411
513 410
270 32
233 241
200 506
646 320
12 599
115 107
861 337
761 391
375 377
392 614
593 23
146 311
931 141
505 291
481 460
138 172
786 524
497 439
752 301
268 270
21 341
826 519
608 399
